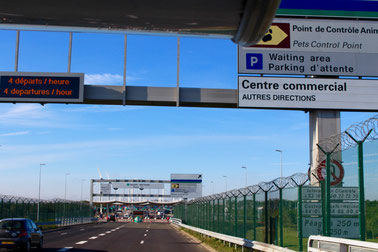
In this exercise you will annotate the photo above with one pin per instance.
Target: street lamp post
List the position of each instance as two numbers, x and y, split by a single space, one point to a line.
280 151
39 190
246 182
81 191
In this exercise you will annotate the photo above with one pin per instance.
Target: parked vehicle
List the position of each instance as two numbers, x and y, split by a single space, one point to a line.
20 233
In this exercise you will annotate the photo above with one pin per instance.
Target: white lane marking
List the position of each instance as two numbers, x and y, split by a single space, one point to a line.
141 242
102 234
63 233
81 242
64 249
108 232
146 230
113 230
93 238
82 229
145 234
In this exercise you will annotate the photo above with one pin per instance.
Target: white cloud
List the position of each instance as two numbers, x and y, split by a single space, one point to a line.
15 133
103 79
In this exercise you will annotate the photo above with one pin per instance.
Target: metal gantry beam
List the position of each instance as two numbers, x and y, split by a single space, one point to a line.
160 96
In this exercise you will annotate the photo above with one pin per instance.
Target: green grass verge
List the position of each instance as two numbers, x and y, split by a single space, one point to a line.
212 242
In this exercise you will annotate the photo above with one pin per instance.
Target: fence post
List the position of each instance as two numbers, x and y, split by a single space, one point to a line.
236 217
266 240
218 219
223 216
361 185
300 226
229 215
328 190
245 216
254 216
281 216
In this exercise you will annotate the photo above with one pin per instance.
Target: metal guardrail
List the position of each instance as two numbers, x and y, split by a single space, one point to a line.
244 243
317 243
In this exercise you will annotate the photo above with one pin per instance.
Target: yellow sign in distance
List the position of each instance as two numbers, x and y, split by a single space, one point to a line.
175 185
274 36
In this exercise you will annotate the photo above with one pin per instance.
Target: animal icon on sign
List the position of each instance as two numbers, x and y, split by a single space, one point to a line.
268 36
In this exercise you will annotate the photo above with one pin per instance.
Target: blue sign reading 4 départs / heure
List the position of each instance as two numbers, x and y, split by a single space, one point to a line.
41 87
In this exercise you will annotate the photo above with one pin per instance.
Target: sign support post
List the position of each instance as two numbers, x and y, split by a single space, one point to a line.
361 185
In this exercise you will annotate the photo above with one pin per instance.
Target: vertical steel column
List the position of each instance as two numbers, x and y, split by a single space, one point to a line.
178 74
69 53
124 71
322 190
245 216
361 186
17 51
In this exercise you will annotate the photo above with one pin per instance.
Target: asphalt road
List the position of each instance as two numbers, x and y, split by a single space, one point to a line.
119 237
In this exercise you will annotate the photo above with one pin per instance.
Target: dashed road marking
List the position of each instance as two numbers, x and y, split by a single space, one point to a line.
147 230
141 242
93 238
82 229
63 233
102 234
81 242
145 234
108 232
113 230
64 249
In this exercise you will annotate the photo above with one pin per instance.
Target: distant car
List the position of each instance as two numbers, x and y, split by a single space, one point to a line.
20 233
112 218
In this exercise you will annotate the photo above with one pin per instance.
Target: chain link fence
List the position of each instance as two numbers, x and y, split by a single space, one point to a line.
51 212
272 212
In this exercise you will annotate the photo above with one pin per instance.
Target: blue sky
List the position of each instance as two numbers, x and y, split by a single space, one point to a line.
141 142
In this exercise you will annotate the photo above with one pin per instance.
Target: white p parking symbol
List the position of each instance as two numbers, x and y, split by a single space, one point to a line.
254 60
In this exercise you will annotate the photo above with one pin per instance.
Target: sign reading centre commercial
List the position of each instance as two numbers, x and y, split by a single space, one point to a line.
314 47
307 93
41 87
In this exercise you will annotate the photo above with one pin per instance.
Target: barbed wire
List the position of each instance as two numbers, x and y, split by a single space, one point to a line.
16 199
358 130
295 180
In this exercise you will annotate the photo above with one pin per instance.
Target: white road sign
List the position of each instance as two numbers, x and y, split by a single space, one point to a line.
340 227
337 209
307 93
314 47
105 188
337 193
186 185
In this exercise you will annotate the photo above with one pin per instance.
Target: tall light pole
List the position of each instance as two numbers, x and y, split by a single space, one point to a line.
246 182
280 151
224 176
39 189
